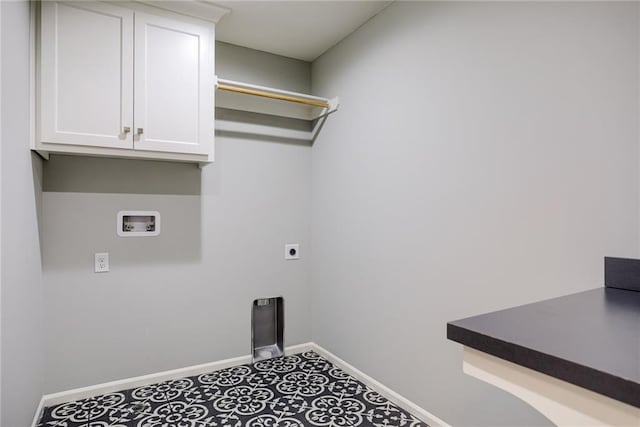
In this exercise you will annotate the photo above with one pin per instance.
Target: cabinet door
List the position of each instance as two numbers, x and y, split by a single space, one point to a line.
86 74
174 85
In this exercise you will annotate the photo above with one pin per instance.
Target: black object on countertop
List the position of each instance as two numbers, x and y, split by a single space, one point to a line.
622 273
590 339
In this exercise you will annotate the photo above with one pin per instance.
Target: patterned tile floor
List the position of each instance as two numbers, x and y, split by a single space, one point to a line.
297 390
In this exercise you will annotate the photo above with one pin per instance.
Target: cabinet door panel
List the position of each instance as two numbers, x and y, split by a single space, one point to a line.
86 74
174 85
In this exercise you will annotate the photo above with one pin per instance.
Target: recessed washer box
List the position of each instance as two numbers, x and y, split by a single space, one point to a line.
138 223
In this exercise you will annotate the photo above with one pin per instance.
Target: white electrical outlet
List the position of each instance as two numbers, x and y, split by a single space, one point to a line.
102 262
292 251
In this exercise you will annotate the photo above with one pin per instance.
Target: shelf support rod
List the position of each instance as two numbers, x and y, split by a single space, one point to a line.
265 94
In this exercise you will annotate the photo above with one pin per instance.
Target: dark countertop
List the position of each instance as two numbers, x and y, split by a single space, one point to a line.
590 339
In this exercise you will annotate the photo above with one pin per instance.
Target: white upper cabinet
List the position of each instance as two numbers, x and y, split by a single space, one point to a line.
174 86
120 81
86 74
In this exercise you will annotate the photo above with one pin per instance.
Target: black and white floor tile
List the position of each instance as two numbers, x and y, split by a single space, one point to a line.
293 391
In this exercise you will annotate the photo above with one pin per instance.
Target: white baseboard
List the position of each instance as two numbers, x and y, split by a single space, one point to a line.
36 417
133 382
385 391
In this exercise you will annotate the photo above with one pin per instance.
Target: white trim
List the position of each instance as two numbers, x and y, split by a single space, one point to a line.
196 9
300 348
385 391
1 102
44 149
36 417
127 383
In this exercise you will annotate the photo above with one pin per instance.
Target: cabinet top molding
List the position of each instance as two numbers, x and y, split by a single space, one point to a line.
201 9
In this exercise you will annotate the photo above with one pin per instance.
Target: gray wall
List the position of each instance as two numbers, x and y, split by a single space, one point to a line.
1 102
21 278
484 155
262 68
184 297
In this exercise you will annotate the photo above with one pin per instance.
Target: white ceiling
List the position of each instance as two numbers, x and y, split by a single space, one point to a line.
296 29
